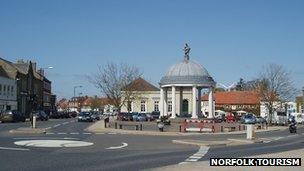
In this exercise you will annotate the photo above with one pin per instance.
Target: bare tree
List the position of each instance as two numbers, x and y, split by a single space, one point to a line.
274 86
113 80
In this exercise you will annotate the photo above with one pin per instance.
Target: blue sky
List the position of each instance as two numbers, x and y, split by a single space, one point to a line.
231 39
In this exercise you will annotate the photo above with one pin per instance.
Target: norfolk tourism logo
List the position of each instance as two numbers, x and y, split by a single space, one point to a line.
255 161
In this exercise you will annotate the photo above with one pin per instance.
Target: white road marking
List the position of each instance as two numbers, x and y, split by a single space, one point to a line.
56 125
74 133
87 133
48 128
53 143
293 135
118 147
49 133
183 162
112 133
191 160
15 149
61 133
99 133
64 123
195 157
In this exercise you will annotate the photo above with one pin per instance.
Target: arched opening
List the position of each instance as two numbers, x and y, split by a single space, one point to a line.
185 107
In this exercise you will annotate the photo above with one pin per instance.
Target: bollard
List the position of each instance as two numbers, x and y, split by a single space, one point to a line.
115 125
141 127
250 131
34 121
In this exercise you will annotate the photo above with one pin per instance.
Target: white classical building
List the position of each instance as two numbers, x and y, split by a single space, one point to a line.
179 93
181 78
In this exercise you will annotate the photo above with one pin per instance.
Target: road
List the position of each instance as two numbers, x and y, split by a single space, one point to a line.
112 151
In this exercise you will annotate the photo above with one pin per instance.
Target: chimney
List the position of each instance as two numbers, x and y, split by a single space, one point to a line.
41 71
34 64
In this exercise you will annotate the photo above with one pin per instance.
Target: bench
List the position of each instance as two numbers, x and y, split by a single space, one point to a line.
198 130
120 125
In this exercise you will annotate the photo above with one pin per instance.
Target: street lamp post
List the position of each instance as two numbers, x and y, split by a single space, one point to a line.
75 89
302 100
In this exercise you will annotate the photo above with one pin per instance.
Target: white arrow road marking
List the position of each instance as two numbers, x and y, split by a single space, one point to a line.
15 149
195 157
118 147
56 125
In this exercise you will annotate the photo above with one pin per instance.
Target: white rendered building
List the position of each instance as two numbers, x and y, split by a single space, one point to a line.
8 92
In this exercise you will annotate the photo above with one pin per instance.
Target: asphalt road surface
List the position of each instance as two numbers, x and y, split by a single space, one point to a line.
112 151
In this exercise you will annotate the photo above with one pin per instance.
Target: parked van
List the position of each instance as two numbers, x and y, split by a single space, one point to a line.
299 117
279 117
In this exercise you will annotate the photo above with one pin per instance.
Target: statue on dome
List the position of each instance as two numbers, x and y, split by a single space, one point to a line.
187 51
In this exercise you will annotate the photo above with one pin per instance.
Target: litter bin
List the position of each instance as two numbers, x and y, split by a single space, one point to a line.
160 126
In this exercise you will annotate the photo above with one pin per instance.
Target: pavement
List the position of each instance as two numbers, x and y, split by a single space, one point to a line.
99 127
199 166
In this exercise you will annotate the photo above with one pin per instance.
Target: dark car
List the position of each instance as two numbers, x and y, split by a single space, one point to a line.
12 116
248 119
72 114
155 115
85 116
40 115
260 120
96 115
124 116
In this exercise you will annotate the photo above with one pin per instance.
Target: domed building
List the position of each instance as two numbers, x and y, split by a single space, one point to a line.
181 78
179 93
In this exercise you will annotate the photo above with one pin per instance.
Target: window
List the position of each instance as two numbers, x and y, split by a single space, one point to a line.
169 106
8 89
156 106
143 106
4 89
12 90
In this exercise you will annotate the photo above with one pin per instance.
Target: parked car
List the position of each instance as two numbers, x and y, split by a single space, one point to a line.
12 116
248 119
260 120
96 115
155 115
230 118
72 114
40 115
134 116
85 116
124 116
149 117
141 117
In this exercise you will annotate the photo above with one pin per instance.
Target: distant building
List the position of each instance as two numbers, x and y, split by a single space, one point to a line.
147 97
8 92
30 84
233 101
299 104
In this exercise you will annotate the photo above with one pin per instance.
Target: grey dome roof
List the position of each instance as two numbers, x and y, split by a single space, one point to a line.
187 72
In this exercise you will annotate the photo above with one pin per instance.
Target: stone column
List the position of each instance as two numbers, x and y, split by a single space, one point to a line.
161 102
194 107
199 103
173 103
180 101
210 101
165 102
